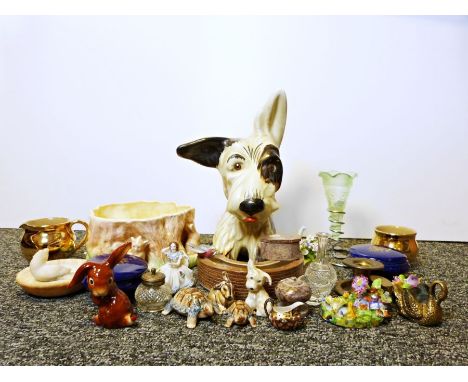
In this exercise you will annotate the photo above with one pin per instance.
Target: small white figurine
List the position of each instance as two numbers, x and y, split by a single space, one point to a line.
42 270
257 294
178 274
139 248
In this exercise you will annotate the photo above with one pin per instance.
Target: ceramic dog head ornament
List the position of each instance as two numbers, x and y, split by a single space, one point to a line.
252 171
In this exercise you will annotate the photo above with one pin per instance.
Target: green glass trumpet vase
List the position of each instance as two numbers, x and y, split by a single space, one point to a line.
337 186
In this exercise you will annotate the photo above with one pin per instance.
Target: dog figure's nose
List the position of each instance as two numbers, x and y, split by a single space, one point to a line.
252 206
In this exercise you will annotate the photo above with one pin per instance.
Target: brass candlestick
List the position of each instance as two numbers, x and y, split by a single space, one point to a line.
363 266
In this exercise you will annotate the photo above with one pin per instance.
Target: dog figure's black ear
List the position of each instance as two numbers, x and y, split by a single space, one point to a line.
205 151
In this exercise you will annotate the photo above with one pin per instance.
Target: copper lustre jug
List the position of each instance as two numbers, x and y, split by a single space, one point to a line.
53 233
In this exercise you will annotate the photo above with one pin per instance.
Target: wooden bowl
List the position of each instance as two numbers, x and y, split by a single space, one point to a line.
210 272
55 288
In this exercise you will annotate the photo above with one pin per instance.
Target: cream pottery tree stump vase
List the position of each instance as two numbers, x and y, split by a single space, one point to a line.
159 223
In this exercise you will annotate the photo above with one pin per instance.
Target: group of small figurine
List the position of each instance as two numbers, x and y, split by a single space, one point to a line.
195 304
364 306
116 310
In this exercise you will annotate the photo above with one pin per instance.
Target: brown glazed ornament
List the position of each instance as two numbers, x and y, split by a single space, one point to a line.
115 309
291 290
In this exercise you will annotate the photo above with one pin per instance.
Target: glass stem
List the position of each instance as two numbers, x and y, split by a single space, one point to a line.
322 242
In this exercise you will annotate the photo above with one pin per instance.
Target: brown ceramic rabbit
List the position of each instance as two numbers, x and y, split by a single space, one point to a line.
115 309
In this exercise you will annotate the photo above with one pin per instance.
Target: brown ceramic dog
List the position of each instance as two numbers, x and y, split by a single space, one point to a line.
115 309
221 295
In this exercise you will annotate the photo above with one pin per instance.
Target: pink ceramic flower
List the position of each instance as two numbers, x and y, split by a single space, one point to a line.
360 284
413 281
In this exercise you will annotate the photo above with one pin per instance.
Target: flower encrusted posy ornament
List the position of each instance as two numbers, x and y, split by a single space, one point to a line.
363 308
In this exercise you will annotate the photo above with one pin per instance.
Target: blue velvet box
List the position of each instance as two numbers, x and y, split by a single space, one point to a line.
127 273
395 262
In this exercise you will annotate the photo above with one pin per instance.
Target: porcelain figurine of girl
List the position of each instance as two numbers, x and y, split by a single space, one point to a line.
178 274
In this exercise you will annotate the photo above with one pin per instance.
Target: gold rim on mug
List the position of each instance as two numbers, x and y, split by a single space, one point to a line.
395 230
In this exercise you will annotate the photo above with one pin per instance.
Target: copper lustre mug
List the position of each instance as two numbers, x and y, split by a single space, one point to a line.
402 239
53 233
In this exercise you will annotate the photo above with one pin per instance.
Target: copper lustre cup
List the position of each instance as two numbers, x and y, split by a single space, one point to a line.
53 233
402 239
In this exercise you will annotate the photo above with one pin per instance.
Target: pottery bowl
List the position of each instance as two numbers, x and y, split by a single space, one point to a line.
156 222
402 239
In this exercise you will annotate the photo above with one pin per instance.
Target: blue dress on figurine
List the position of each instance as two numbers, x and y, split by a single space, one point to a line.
178 274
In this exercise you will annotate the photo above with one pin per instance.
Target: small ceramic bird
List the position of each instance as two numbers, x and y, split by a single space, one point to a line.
203 250
43 270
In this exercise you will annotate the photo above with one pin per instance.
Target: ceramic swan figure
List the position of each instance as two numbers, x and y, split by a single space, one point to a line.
427 312
43 270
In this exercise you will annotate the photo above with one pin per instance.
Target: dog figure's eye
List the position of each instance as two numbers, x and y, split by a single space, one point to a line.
237 166
111 280
91 281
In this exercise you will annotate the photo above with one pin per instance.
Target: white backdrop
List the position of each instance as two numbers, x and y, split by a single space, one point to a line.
93 108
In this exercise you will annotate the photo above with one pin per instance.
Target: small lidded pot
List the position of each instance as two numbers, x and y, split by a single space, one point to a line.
292 290
280 248
152 294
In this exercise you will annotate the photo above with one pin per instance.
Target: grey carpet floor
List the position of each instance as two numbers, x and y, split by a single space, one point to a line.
36 331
